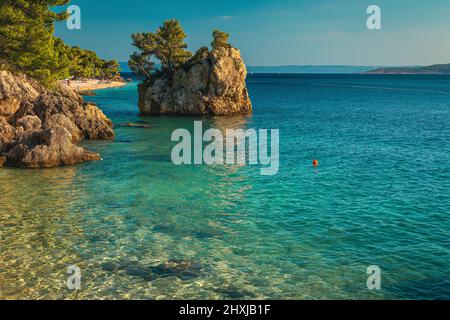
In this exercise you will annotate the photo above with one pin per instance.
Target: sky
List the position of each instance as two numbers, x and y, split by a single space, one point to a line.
277 32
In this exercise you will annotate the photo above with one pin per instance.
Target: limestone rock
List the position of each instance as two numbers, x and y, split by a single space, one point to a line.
14 90
46 149
94 123
7 132
66 108
88 118
38 127
214 85
60 120
29 123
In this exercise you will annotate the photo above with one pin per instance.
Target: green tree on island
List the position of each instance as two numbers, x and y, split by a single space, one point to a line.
220 39
141 65
166 44
171 48
27 44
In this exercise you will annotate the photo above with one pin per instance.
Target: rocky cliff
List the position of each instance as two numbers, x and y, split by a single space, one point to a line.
211 85
39 128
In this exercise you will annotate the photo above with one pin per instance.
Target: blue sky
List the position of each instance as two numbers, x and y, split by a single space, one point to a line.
277 32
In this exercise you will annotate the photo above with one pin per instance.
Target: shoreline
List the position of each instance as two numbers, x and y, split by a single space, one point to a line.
91 84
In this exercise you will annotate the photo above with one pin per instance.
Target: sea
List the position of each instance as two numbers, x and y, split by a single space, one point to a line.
136 226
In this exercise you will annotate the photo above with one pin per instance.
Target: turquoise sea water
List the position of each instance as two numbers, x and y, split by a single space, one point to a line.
140 227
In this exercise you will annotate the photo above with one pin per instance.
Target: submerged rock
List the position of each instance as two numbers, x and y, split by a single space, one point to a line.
109 266
235 293
134 125
183 270
130 268
214 85
39 128
139 271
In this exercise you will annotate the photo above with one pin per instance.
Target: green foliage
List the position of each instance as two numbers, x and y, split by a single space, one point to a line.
220 39
27 44
171 48
110 69
141 65
201 54
61 60
86 64
166 44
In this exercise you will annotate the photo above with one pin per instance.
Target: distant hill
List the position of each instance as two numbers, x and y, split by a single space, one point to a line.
339 69
293 69
311 69
434 69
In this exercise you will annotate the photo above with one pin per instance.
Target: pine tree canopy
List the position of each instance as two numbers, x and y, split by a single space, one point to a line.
167 45
27 44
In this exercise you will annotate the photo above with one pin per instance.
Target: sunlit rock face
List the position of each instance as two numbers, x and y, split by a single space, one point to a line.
15 89
214 85
39 128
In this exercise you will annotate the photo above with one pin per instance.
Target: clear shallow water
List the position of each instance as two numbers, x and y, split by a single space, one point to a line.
380 196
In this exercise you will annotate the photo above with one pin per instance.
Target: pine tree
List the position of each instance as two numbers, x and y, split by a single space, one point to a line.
27 43
220 39
141 65
171 48
110 69
166 44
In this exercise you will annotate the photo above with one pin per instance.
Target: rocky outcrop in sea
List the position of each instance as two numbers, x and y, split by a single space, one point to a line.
40 128
213 84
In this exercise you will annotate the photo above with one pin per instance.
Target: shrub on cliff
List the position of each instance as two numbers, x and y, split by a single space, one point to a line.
220 39
200 55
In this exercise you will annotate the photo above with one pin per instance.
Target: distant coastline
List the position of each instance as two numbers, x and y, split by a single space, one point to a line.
339 69
433 69
316 69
